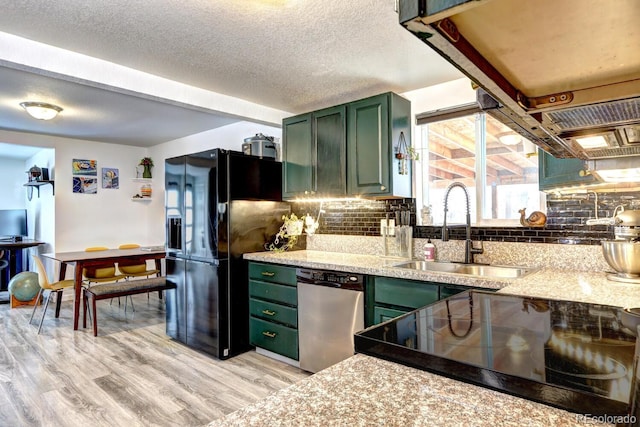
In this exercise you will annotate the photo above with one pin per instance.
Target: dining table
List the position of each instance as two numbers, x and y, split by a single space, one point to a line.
84 259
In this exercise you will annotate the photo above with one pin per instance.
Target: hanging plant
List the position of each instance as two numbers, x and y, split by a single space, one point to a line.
405 152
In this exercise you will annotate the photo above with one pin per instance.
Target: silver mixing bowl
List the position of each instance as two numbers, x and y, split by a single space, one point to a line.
623 256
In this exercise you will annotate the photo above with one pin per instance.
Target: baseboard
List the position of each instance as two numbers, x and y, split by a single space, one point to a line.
278 357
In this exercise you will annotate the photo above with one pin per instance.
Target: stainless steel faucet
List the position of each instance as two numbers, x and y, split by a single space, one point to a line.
469 250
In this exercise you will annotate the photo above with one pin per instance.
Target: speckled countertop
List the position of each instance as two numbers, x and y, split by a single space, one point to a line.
366 391
583 286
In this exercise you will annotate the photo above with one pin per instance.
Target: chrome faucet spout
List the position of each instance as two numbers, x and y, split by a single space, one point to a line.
469 250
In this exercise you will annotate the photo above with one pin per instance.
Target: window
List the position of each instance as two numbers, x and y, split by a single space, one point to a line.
498 166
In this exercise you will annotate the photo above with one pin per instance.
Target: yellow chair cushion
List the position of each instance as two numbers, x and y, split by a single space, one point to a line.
99 273
132 269
129 246
96 249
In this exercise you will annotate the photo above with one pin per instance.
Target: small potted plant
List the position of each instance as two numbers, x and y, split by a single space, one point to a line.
147 163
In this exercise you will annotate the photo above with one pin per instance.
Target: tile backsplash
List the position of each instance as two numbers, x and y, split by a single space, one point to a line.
566 219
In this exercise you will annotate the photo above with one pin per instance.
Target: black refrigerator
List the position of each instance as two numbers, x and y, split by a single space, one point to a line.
219 205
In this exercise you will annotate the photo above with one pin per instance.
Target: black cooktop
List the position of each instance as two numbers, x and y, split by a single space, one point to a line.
575 356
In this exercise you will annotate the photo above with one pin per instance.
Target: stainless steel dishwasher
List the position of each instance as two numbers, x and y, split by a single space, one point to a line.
330 311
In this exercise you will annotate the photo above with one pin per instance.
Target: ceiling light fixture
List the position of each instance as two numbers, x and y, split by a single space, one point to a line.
509 138
41 110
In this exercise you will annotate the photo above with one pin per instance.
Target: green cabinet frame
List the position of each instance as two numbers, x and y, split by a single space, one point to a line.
314 154
373 131
273 300
347 150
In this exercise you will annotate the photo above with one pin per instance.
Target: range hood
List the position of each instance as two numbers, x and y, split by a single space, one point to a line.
565 74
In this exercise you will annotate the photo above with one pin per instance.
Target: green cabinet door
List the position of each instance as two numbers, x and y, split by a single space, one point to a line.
382 314
367 145
373 130
330 149
297 156
555 173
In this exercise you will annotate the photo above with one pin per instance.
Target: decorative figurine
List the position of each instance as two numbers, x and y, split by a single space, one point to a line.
536 219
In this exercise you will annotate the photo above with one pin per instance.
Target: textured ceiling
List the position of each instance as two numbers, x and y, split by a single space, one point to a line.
292 55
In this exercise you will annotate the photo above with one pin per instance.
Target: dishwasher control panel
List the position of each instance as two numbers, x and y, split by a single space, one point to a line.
334 279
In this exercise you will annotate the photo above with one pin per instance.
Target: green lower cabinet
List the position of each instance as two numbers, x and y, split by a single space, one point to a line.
273 312
405 293
274 337
446 290
382 314
390 297
273 292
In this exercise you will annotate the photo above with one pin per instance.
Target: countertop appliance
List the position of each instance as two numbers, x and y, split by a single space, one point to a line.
551 86
261 146
219 205
571 355
623 253
330 311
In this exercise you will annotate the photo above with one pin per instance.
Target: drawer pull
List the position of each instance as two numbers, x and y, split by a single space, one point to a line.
268 273
269 334
268 312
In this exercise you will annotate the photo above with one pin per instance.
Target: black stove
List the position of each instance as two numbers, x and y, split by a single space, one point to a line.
575 356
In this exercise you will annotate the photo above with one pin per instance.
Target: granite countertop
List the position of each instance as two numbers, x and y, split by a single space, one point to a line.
366 391
591 287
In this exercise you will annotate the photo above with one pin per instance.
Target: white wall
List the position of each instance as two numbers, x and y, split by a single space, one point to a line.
12 177
70 221
41 208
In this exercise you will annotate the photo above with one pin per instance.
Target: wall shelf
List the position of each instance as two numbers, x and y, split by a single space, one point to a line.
141 199
37 184
145 189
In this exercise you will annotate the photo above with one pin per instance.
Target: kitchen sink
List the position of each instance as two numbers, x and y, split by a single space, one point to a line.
482 270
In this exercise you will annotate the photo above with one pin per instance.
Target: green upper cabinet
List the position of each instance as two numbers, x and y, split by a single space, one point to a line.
373 131
347 150
314 154
329 144
555 173
297 156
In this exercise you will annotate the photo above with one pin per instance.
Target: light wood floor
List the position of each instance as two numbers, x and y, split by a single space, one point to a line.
132 374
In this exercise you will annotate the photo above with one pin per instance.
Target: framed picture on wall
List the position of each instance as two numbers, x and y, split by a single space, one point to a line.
84 167
85 185
110 178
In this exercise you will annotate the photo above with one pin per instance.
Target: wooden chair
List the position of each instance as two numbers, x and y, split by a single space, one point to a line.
45 285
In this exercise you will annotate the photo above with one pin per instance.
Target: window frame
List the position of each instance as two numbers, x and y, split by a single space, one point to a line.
422 192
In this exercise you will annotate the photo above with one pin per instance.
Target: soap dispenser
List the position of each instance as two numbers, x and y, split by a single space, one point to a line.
429 251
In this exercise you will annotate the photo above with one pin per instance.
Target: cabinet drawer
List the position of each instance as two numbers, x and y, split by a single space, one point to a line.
273 292
273 312
404 293
272 273
277 338
382 314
